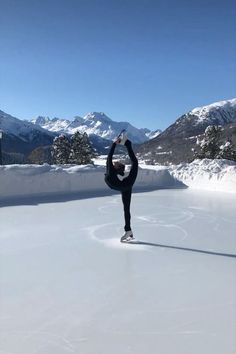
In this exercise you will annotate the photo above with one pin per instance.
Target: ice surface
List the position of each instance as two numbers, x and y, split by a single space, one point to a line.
69 286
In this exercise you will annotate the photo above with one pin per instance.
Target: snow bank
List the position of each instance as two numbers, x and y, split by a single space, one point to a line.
31 180
216 175
28 180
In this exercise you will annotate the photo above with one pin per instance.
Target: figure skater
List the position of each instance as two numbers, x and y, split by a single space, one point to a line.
113 170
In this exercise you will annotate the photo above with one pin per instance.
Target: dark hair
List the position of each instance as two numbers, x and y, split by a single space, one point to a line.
119 167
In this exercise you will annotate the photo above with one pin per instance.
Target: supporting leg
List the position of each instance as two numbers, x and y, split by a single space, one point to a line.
126 199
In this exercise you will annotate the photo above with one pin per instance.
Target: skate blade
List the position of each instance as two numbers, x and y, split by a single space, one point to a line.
127 240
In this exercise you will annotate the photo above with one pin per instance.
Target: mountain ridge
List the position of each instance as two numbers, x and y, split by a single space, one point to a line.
95 123
176 143
21 137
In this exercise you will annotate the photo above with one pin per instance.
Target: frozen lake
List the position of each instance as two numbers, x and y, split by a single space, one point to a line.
67 284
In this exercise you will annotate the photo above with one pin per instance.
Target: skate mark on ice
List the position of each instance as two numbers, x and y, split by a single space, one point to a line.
197 208
113 242
151 221
104 209
169 216
44 338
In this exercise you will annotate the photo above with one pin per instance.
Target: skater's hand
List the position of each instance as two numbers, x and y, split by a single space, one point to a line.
117 141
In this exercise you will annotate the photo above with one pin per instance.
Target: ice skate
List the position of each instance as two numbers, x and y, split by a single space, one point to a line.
122 137
128 236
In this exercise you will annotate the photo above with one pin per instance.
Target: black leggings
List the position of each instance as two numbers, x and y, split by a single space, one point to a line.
129 181
126 199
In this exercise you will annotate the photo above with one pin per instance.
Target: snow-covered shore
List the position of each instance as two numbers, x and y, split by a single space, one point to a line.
31 180
214 175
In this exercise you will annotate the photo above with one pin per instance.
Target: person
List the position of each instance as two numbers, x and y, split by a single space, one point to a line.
113 170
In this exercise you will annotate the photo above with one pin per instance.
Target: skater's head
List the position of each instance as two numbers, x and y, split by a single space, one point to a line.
119 167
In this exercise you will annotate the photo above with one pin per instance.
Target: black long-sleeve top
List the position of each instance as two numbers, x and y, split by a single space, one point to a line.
111 174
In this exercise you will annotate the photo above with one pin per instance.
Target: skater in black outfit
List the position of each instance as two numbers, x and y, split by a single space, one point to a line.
125 185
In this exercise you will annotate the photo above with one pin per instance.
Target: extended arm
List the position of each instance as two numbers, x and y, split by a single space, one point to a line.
109 158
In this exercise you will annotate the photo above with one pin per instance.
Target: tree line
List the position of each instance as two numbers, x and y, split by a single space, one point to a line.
211 145
75 149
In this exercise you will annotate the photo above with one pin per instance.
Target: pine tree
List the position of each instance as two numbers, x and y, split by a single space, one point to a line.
88 152
76 150
209 146
227 151
81 150
212 147
76 142
61 150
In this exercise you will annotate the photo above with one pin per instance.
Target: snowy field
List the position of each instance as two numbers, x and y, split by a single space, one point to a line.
69 286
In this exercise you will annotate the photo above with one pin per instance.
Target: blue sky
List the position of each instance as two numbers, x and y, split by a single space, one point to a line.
143 61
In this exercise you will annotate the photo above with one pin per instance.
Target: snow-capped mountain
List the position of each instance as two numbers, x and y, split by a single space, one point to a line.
21 137
20 128
95 123
54 125
151 134
176 143
196 121
219 113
